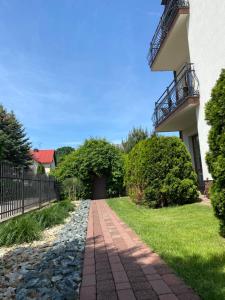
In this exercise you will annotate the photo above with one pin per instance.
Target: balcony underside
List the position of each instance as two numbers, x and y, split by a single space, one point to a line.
174 50
181 118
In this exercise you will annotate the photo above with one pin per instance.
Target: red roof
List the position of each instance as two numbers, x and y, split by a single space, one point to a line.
43 156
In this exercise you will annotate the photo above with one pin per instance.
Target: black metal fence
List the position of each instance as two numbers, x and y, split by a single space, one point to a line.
21 190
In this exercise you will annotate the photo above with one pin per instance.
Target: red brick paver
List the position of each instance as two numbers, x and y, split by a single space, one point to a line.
118 265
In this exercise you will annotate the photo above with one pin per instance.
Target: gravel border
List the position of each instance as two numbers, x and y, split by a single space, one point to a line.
58 275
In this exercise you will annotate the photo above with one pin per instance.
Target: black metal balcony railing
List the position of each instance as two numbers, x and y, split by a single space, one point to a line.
165 23
185 85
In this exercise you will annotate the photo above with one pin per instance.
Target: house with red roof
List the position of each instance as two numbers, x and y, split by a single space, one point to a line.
45 158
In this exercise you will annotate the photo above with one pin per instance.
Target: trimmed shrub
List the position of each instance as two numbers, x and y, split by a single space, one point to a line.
215 116
159 173
23 229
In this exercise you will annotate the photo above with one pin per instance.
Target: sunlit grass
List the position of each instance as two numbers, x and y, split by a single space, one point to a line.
186 237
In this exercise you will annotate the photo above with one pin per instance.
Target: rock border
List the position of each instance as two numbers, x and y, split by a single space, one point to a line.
58 275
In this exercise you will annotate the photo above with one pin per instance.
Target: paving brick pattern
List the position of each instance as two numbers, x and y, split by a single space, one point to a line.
118 265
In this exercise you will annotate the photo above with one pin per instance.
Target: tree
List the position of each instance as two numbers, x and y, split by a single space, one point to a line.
41 169
96 157
14 144
135 135
62 152
159 173
215 116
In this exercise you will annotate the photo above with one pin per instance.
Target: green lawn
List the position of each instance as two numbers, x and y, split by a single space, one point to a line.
186 237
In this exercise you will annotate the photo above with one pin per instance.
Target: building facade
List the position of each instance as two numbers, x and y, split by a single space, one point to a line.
190 42
45 158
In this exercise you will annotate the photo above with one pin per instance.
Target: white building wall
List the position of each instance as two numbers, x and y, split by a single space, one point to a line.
48 167
206 34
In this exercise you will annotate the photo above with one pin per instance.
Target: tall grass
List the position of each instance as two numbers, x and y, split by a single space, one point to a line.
29 227
54 215
23 229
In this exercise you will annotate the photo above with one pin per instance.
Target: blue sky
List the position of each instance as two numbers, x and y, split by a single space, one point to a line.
73 69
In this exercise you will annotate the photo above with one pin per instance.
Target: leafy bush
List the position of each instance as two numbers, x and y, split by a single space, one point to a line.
215 116
62 152
159 173
96 157
23 229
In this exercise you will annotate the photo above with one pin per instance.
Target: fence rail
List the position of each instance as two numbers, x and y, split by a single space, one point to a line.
186 85
20 190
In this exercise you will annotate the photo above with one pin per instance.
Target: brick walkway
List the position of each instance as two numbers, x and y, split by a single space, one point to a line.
117 265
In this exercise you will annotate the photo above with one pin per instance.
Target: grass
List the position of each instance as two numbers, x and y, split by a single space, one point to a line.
53 215
186 237
19 230
29 227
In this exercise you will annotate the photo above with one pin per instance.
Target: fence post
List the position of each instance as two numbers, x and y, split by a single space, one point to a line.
40 191
49 189
23 190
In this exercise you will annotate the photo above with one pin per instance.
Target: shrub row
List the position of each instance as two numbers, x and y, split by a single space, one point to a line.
29 227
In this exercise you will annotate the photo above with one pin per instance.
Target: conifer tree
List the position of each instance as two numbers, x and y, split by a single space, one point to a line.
134 137
14 143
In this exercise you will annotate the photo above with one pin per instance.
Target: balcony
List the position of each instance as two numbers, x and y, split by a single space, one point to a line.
170 39
176 108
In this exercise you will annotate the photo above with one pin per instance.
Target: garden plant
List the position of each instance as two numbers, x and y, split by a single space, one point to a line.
29 227
159 173
96 157
215 116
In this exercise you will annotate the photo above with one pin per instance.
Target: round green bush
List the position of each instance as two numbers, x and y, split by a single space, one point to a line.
215 116
159 173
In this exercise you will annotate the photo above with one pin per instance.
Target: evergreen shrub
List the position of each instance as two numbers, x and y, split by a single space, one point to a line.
215 116
159 173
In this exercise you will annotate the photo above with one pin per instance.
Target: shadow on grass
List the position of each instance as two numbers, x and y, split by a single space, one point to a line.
206 276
